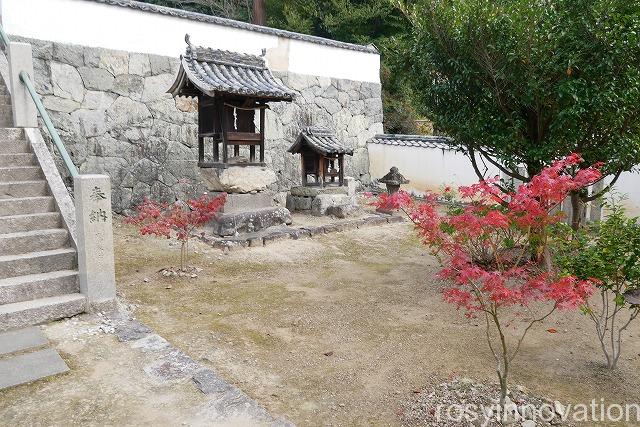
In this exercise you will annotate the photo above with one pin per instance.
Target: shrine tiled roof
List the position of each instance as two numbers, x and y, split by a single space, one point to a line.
321 140
214 71
422 141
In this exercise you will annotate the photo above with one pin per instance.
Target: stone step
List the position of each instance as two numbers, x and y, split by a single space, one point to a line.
6 121
9 135
34 312
36 286
29 367
18 159
19 340
18 189
37 221
14 146
26 205
37 262
20 173
32 241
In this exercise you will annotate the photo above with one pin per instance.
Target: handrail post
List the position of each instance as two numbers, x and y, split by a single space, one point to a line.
23 109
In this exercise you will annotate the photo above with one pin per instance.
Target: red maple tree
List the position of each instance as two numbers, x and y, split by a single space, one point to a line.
176 220
494 256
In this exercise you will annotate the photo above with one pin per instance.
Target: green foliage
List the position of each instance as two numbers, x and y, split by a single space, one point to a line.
528 81
376 22
232 9
609 252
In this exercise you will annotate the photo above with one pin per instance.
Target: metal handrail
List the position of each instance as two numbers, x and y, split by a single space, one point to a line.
55 137
3 37
24 78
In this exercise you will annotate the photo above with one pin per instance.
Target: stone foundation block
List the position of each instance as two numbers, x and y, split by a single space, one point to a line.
230 224
322 202
314 191
247 202
299 203
238 179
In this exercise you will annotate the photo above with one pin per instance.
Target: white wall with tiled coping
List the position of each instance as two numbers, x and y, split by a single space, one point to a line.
102 70
431 169
89 23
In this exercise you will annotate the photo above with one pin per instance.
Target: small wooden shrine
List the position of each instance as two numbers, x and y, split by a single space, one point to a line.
322 156
230 87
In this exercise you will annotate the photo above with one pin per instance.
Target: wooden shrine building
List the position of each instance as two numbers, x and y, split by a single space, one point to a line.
322 156
230 88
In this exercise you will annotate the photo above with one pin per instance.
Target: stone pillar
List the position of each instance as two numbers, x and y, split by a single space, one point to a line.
95 240
23 107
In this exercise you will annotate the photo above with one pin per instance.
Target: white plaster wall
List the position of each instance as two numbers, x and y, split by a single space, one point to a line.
427 169
628 185
433 168
92 24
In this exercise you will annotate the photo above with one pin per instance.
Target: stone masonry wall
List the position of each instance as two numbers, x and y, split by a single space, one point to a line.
114 116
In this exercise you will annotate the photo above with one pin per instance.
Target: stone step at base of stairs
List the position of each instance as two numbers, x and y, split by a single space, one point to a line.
19 340
29 367
33 241
37 286
18 159
33 312
37 262
26 205
24 357
18 189
36 221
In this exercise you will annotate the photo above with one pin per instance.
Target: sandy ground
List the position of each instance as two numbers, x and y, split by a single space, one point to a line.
344 328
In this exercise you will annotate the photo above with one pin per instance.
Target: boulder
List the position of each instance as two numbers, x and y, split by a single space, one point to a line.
238 179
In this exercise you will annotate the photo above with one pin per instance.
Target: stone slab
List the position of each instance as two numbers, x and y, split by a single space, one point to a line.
21 339
237 202
131 330
30 367
209 382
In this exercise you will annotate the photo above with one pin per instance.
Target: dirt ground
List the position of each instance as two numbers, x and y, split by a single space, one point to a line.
344 328
106 386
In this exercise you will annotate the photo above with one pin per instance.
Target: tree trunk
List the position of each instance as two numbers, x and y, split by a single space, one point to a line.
259 16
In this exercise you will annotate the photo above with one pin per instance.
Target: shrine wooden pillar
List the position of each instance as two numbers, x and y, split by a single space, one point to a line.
262 127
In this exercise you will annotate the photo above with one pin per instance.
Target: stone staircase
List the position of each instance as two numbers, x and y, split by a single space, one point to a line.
38 263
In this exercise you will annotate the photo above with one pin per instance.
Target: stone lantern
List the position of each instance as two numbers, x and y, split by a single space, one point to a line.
393 180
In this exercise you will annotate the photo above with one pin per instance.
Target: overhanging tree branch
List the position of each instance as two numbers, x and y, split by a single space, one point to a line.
592 197
509 172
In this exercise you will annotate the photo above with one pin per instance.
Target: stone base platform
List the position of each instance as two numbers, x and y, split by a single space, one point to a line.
250 221
329 200
283 232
